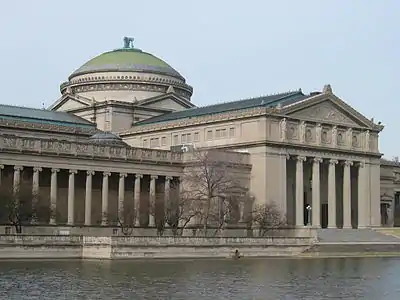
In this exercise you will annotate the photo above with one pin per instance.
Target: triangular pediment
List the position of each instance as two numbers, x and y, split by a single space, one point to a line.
70 102
329 109
167 102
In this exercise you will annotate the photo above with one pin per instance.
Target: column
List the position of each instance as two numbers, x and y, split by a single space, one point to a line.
53 196
17 179
121 196
316 193
71 197
167 204
152 204
136 199
300 191
347 194
1 168
361 201
332 193
35 193
104 199
88 198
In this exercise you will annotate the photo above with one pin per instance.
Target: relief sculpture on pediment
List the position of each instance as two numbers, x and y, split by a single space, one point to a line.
324 111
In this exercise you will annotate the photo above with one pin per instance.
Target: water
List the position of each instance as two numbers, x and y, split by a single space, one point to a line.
266 279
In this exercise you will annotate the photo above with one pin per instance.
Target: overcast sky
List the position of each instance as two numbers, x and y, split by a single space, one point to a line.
227 50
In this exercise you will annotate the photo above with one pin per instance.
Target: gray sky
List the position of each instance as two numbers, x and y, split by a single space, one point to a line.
227 50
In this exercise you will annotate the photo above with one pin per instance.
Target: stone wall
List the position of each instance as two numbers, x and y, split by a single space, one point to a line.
91 247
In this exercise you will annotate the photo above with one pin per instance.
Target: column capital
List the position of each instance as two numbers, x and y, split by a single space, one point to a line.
90 172
168 178
361 164
37 169
138 176
18 168
301 158
333 161
348 163
106 173
317 160
55 170
1 167
72 171
123 175
153 177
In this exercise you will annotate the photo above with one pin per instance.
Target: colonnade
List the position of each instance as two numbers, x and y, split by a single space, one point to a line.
315 207
88 194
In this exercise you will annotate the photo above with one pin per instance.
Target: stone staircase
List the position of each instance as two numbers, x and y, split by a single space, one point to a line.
390 231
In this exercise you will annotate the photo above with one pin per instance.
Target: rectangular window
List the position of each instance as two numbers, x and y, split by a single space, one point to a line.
145 143
183 138
196 137
163 141
189 137
223 132
231 132
154 142
175 140
209 135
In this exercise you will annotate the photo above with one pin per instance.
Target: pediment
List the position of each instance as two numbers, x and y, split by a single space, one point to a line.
167 102
69 103
329 109
326 111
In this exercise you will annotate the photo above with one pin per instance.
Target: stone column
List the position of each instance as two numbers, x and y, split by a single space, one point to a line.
316 193
152 204
71 197
136 199
17 179
300 191
1 168
53 196
167 190
104 199
347 194
332 193
121 196
35 193
361 201
88 198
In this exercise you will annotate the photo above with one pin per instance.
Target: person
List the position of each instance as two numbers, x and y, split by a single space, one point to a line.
237 254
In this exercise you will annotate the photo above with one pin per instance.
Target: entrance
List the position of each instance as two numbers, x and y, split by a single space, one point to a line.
396 209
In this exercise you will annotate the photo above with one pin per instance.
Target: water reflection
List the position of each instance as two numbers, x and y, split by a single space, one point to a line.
356 278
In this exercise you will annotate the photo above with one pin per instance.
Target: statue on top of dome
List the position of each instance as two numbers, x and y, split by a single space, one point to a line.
128 42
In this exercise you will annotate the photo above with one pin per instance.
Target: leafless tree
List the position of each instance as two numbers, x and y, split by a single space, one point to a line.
267 217
16 207
211 185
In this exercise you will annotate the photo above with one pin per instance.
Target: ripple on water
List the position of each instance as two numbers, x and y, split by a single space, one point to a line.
287 279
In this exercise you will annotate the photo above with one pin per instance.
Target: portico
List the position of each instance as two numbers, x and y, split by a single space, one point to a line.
335 188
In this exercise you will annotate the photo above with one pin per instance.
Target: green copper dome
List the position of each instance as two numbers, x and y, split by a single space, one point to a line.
127 60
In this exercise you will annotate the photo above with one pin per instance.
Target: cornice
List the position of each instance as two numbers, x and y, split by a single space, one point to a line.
18 124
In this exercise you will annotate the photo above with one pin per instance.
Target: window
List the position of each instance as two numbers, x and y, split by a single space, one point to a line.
145 143
232 132
183 138
217 133
154 142
189 137
163 141
196 137
223 132
175 140
209 135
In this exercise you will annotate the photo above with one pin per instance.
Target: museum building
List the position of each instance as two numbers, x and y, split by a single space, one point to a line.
124 126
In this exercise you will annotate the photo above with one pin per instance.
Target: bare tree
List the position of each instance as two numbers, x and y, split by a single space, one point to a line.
267 217
16 207
210 183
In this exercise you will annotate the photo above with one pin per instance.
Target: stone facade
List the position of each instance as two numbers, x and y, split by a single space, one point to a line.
314 156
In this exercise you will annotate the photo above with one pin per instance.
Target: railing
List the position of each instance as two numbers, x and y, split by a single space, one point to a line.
10 143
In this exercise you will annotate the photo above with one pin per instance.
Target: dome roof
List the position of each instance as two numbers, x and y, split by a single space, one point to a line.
106 138
127 60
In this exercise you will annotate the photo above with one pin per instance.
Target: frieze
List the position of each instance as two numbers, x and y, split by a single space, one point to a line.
356 139
326 135
47 127
10 143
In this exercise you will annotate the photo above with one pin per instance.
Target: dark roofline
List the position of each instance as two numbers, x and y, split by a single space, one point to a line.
270 100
